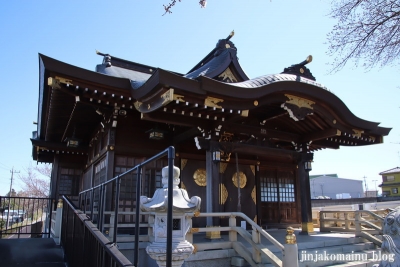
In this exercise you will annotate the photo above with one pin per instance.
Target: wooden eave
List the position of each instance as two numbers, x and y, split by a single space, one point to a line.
280 111
258 112
44 151
69 97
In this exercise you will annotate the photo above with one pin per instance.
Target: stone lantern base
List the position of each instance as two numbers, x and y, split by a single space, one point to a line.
180 251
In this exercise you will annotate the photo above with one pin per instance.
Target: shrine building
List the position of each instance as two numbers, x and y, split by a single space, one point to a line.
228 131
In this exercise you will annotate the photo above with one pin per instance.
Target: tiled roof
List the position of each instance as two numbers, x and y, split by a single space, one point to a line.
222 59
137 78
273 78
394 170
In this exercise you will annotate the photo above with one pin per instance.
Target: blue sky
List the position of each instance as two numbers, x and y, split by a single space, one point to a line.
269 36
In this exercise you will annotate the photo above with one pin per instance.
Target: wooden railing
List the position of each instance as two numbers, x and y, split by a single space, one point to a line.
364 223
252 256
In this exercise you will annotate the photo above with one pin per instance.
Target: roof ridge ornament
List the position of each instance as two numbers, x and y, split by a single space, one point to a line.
225 44
300 69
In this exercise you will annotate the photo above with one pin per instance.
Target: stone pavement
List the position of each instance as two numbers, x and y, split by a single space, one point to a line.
31 252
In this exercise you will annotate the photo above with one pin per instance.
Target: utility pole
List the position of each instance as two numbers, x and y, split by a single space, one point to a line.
376 189
366 186
9 196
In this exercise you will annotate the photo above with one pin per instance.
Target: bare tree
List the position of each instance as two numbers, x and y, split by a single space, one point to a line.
169 6
366 30
33 184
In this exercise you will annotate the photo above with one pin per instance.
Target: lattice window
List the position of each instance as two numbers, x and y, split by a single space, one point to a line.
268 189
286 190
68 184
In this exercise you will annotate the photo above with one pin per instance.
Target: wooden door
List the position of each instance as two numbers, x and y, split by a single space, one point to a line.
247 191
278 196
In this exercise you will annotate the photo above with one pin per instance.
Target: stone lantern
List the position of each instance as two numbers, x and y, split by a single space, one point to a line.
181 248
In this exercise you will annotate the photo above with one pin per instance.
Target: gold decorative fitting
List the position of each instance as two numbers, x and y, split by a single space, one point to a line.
255 103
253 195
301 70
148 106
111 148
197 214
167 97
222 167
183 163
357 132
195 249
255 219
213 102
55 82
372 138
225 156
200 177
177 154
334 121
227 76
183 185
226 137
137 105
213 234
180 98
299 101
290 236
242 179
223 194
194 230
227 46
253 169
60 203
244 113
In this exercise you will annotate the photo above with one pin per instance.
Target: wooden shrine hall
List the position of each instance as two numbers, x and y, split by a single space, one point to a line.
228 131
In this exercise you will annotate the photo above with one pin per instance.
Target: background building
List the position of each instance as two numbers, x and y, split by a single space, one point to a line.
330 185
390 182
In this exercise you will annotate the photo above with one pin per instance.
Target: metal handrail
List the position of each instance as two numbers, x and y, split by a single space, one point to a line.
101 251
170 152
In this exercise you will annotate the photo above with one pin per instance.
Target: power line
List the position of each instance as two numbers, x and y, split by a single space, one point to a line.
4 165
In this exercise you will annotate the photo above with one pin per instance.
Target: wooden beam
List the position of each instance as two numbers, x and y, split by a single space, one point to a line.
260 132
203 143
325 144
320 135
186 135
175 119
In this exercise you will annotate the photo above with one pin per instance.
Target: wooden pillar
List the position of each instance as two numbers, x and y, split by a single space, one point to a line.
212 194
305 194
258 193
110 154
212 187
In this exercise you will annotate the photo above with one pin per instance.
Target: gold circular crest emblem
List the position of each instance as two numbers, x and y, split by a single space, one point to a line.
199 177
242 179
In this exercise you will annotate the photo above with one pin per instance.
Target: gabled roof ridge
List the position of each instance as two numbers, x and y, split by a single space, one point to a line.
221 44
217 61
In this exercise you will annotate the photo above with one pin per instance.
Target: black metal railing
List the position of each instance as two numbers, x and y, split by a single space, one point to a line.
94 203
83 244
25 217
